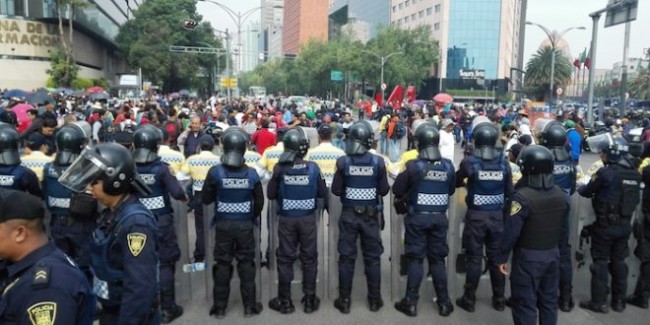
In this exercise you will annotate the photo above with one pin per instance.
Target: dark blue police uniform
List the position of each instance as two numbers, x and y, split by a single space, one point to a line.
162 183
489 187
125 263
20 178
642 250
360 181
72 235
45 287
426 223
239 199
297 186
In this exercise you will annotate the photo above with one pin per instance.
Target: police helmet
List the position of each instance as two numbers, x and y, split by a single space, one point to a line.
70 141
9 154
536 163
109 162
554 138
146 141
428 139
484 137
295 145
615 149
234 141
360 138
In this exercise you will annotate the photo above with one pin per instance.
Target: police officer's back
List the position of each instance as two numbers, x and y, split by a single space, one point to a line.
642 234
125 247
13 176
40 285
536 217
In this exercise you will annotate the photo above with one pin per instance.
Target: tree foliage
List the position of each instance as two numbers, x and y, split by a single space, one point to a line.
145 40
63 66
309 72
538 72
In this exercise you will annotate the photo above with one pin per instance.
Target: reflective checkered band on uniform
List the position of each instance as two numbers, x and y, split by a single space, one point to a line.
152 203
197 184
432 199
204 163
171 159
488 199
34 163
57 202
242 207
360 194
307 204
100 288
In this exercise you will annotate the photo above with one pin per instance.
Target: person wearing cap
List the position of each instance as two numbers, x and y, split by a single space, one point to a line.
575 141
124 250
447 141
325 154
298 186
35 156
40 284
14 176
272 154
238 197
197 166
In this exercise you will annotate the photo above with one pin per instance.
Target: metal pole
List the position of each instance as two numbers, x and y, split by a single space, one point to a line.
595 17
439 71
552 101
381 86
626 49
228 64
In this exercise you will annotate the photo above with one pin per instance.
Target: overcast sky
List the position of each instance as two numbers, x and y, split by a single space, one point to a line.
554 14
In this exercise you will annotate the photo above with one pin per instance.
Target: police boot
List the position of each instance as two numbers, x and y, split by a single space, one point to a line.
499 303
342 303
374 297
282 303
565 302
445 307
639 299
468 300
310 303
407 307
221 274
168 315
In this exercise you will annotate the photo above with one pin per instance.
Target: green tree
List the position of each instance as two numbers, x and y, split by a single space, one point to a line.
639 86
156 25
63 66
538 72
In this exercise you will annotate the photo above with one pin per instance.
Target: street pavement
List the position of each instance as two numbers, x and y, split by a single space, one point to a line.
195 296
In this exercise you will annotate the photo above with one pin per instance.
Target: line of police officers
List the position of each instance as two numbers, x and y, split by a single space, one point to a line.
134 237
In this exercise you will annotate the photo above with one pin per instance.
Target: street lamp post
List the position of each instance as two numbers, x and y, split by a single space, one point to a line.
553 38
382 60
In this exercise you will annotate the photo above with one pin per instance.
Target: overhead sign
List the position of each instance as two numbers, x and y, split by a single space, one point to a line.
622 11
336 75
471 74
129 80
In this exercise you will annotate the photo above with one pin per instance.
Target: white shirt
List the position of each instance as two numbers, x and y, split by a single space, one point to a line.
446 145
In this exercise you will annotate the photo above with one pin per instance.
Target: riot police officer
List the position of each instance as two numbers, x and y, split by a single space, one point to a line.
564 171
13 176
489 186
41 285
158 177
360 181
642 235
71 225
614 191
426 184
297 185
237 193
125 247
537 216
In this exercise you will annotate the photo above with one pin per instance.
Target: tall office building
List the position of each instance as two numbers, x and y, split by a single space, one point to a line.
271 25
358 18
480 40
29 31
303 20
251 54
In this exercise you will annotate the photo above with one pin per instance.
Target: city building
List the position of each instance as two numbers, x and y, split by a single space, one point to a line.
270 41
251 54
29 32
480 41
358 18
303 20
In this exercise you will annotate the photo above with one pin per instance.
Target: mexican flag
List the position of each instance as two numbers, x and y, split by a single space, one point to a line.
588 60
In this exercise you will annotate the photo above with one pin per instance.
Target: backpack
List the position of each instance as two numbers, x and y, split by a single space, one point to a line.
399 131
129 128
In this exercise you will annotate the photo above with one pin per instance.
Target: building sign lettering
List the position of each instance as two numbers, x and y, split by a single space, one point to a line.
471 74
28 33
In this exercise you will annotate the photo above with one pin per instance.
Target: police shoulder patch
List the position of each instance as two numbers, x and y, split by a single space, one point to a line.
136 241
515 208
42 313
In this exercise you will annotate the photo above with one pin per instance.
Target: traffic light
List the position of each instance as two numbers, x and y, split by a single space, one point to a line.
233 83
190 24
228 83
224 82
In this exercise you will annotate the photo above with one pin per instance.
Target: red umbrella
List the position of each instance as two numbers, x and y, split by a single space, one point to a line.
443 98
95 89
21 115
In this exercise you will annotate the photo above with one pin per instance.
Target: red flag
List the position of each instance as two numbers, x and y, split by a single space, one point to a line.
396 97
410 93
576 63
379 99
588 63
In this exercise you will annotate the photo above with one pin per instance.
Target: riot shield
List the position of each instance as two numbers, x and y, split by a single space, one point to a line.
455 259
274 242
183 279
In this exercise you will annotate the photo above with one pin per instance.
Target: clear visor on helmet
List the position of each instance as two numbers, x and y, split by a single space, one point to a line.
540 125
599 142
480 120
87 168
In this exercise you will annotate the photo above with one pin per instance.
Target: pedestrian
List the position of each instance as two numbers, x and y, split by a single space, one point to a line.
575 141
41 285
190 138
489 187
236 191
536 221
35 154
642 234
298 186
554 138
615 194
447 139
426 185
325 154
125 247
360 181
13 176
158 177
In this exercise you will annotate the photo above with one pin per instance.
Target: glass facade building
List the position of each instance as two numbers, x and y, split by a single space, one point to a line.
365 15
